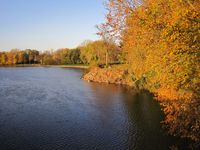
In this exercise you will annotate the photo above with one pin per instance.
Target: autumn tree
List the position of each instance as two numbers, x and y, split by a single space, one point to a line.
3 58
163 46
99 52
117 12
33 56
46 58
74 56
161 41
21 57
61 56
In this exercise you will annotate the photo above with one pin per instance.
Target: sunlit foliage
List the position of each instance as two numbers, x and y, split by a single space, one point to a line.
99 52
49 57
161 40
16 56
117 11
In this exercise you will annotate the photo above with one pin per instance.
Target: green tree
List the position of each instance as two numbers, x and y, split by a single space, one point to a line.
99 52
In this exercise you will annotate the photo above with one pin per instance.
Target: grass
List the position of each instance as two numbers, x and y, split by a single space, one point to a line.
81 66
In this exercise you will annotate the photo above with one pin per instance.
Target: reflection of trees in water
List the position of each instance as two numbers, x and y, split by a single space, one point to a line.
107 99
112 112
135 117
145 116
130 118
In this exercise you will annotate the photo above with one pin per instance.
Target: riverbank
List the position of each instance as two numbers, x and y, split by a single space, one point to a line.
171 100
116 74
68 66
55 66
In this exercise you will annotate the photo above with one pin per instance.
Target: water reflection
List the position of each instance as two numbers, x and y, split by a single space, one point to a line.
139 114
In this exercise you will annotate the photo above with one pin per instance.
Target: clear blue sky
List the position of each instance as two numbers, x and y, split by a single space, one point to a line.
48 24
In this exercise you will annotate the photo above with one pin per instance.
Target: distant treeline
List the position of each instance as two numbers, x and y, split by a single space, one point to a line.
91 53
16 56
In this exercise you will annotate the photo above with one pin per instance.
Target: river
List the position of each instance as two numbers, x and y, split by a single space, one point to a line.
45 108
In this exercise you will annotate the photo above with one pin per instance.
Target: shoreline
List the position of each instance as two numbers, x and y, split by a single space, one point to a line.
54 66
114 75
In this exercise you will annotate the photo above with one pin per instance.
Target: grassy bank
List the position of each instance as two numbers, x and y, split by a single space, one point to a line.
68 66
80 66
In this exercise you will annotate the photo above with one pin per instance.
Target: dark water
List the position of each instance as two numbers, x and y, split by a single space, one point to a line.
53 109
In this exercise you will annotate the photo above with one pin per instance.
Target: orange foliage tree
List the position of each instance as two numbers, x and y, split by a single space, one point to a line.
162 42
115 24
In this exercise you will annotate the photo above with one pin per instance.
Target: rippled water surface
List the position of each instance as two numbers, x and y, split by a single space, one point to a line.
53 109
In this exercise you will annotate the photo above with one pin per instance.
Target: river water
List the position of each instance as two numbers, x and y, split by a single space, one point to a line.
53 109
